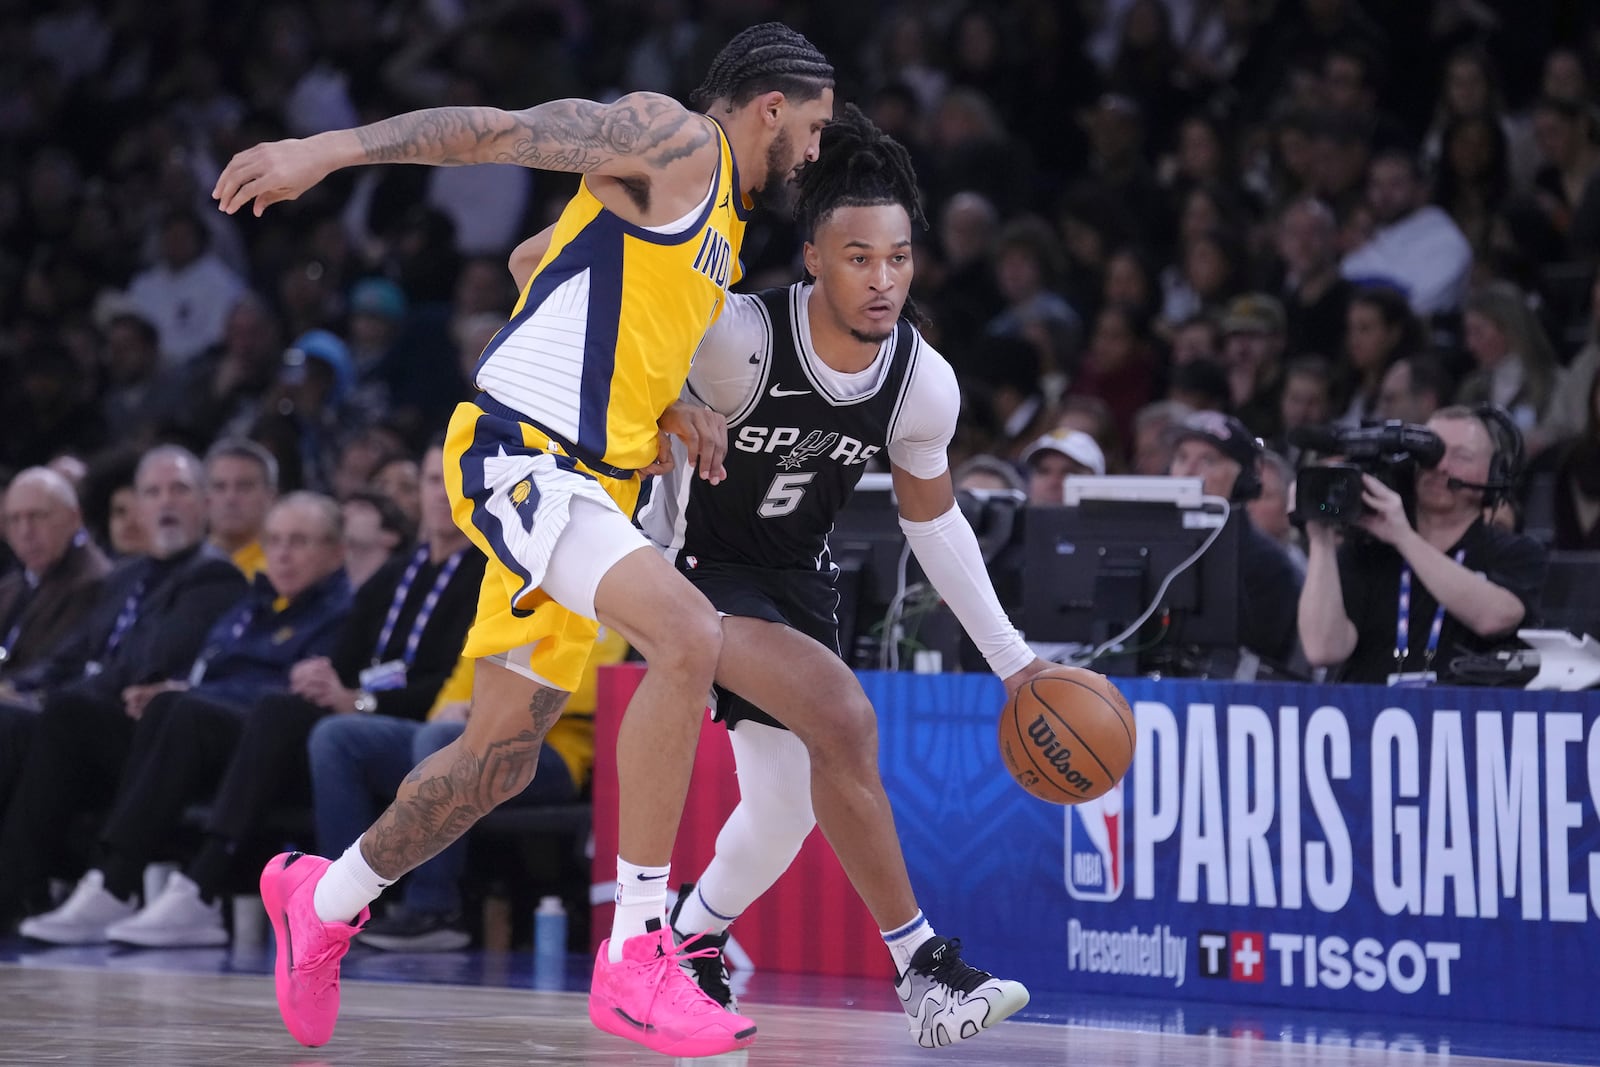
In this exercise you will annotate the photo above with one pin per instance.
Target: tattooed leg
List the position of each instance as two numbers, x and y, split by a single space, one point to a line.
491 762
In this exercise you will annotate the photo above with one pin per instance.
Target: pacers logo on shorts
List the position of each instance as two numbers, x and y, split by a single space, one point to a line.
1095 861
525 499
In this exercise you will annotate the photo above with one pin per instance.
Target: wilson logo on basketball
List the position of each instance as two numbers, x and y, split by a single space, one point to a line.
1057 755
1066 735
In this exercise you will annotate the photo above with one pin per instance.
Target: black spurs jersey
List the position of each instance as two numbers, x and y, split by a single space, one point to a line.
800 435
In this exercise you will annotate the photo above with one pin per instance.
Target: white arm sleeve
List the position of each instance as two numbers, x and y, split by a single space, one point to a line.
919 440
732 356
948 551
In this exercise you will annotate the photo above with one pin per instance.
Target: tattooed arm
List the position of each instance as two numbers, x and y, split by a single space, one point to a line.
632 139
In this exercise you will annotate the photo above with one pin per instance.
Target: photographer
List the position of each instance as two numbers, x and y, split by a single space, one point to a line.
1398 605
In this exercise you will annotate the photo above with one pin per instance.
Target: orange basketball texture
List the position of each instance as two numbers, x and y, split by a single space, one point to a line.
1067 736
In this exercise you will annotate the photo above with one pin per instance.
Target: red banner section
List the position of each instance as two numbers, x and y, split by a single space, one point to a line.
810 922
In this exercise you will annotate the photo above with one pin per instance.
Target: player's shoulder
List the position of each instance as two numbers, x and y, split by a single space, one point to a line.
930 370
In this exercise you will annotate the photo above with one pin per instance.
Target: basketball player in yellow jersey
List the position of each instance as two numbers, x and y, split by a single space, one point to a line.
544 472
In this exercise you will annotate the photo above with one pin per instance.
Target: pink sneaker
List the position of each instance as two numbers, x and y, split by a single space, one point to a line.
649 999
309 950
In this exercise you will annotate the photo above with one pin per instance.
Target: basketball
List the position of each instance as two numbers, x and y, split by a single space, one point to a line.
1067 736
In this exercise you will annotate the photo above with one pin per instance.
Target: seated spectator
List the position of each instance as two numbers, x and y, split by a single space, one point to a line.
111 507
987 474
1119 366
399 478
358 761
374 529
148 624
1379 329
1270 511
42 602
1155 436
187 294
1416 247
392 654
1220 451
1413 388
186 730
1461 584
61 573
241 484
1305 400
1569 412
1252 352
1516 367
1578 483
1200 385
1054 456
1314 294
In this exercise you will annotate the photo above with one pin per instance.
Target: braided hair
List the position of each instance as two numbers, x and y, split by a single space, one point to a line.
762 59
857 165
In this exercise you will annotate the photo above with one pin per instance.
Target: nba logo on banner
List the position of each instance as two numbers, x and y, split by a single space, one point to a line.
1095 867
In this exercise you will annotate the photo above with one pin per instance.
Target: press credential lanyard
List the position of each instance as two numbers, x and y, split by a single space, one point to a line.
1402 636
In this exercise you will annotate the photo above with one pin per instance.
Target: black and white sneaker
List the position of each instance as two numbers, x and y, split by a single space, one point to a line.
947 999
404 930
710 973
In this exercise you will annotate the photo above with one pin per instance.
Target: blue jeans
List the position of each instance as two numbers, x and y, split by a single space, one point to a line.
357 765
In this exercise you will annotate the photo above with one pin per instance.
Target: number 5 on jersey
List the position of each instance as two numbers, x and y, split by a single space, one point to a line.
784 494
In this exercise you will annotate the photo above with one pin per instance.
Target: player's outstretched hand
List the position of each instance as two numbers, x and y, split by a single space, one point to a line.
268 173
704 434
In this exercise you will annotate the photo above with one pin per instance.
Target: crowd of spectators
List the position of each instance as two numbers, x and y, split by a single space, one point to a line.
1270 214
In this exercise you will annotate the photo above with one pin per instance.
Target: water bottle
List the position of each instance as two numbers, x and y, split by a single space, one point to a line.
549 944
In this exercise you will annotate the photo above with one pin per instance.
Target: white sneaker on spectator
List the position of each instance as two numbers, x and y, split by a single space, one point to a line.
178 918
82 919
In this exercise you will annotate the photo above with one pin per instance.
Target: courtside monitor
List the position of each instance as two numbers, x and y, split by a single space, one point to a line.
1091 569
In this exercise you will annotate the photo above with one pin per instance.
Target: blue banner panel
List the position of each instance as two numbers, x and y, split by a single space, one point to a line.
1405 851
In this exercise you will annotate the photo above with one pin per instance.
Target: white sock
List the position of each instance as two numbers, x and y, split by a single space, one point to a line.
904 942
348 885
698 917
641 901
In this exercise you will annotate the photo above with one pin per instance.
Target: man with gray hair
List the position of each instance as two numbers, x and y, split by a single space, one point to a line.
148 623
43 602
62 569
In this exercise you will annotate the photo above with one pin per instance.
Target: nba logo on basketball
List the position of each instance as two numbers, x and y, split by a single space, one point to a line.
1095 862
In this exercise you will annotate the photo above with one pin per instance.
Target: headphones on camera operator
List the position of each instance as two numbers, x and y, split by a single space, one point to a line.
1505 463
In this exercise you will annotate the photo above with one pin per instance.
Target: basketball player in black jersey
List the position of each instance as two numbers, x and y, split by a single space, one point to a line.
815 380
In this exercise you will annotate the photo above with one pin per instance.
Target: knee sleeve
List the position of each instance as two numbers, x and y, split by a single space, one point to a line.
765 831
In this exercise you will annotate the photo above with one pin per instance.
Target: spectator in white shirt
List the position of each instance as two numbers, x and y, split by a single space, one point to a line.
1416 247
188 294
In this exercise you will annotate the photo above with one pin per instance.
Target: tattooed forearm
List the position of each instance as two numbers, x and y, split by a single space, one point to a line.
447 136
580 136
455 787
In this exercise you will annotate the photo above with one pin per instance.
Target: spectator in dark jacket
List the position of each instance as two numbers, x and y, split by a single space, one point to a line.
186 730
148 624
46 599
395 651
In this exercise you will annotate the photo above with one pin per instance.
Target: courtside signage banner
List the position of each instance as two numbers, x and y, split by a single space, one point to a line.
1402 851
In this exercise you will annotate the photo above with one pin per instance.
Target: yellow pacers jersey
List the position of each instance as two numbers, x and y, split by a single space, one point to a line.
600 342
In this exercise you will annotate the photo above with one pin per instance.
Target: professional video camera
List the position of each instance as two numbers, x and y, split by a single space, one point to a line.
1389 451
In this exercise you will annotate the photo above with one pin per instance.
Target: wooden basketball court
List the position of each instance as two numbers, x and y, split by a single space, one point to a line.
60 1012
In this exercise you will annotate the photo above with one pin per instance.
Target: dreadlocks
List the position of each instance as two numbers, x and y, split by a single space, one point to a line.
858 165
762 59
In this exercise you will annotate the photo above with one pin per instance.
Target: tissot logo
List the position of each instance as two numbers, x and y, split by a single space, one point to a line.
1240 955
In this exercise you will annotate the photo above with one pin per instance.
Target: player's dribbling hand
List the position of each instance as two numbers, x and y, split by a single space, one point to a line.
1022 677
704 434
268 173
